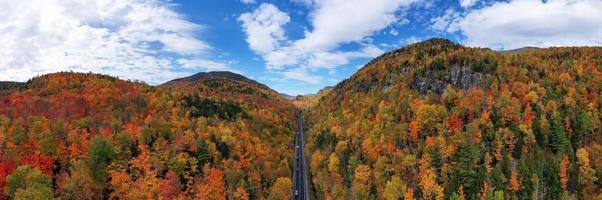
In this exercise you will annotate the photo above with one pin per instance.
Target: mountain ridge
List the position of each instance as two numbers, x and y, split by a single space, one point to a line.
463 122
203 76
130 140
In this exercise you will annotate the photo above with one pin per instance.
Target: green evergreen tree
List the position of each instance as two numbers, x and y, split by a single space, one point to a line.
202 153
559 141
99 155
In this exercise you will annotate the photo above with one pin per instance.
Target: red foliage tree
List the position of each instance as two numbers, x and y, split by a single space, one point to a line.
6 168
528 118
454 124
170 186
43 163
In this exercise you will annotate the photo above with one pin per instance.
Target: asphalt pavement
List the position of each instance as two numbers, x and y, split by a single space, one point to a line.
299 174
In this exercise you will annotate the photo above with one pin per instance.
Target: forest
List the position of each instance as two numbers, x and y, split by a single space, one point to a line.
431 120
88 136
436 120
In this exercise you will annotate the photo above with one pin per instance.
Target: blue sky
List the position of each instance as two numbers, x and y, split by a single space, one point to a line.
295 47
230 39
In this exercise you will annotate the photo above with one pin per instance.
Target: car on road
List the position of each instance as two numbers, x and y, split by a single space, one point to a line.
297 146
296 192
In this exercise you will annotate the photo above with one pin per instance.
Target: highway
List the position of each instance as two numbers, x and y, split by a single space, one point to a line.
299 173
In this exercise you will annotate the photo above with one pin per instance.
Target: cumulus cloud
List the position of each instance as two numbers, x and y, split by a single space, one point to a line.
126 38
519 23
444 22
209 65
467 3
264 28
302 74
331 27
333 24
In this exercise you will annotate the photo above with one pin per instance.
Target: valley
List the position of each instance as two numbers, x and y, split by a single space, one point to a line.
431 120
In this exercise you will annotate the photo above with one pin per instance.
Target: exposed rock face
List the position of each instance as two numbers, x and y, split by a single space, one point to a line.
436 81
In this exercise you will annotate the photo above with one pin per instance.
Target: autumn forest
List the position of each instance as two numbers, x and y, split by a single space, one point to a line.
431 120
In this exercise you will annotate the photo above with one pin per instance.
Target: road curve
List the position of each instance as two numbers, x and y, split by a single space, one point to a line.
299 173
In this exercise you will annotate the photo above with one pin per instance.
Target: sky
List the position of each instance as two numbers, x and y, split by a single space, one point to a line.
293 46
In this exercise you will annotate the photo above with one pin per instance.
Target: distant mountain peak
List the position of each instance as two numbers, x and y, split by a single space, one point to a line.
439 41
203 76
520 50
287 96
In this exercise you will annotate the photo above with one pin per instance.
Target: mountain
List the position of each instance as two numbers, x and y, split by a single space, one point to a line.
308 101
439 120
204 76
432 120
520 50
91 136
231 86
287 96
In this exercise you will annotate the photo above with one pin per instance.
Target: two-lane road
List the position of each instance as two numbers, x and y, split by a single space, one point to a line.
299 173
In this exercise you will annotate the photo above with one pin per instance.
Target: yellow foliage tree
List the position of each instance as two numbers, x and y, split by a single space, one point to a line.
241 194
281 189
427 179
362 181
395 188
333 163
587 175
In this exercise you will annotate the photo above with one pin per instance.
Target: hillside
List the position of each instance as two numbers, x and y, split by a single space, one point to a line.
94 136
309 101
436 120
205 76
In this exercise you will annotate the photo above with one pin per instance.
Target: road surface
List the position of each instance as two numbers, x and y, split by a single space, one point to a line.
299 173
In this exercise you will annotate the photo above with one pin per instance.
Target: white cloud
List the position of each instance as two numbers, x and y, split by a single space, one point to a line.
443 23
199 63
247 1
130 39
393 32
403 22
467 3
301 74
519 23
332 26
412 40
264 28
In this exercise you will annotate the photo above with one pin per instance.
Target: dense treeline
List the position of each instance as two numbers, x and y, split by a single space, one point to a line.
7 87
531 129
207 107
88 136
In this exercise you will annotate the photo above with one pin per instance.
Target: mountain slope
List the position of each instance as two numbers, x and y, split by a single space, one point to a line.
436 119
97 136
266 104
309 101
204 76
